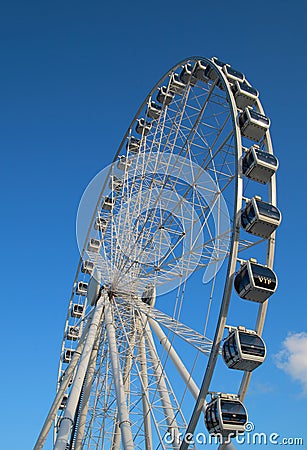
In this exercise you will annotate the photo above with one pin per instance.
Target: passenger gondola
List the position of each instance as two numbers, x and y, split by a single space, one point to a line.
94 245
133 145
100 224
244 94
255 282
73 333
225 414
175 85
210 73
259 165
187 75
81 288
116 184
253 125
87 267
153 110
107 203
164 96
260 218
243 350
142 126
231 74
199 70
123 163
68 354
77 310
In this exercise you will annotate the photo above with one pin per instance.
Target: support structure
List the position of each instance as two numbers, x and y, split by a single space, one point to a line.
126 381
60 393
86 394
68 418
182 370
123 413
162 388
145 397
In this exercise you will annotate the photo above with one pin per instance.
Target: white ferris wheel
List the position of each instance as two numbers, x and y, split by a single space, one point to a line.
172 234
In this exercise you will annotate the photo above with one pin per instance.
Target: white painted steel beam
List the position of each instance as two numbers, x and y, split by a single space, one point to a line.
123 413
61 391
182 370
86 394
67 421
145 398
162 388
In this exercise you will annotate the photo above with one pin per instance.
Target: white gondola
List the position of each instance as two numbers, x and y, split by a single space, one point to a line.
164 96
260 218
77 310
87 267
253 124
68 354
149 295
73 333
255 282
142 126
133 145
175 85
210 72
123 163
153 110
199 70
259 165
116 184
187 75
232 74
63 402
81 288
243 350
225 414
107 203
94 245
101 224
244 94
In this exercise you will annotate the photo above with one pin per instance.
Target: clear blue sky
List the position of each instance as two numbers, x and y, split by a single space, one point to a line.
72 76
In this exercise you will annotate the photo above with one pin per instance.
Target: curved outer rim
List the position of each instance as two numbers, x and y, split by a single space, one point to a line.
262 311
234 241
232 266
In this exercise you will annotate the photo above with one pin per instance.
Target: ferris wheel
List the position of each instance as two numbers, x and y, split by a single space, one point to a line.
177 238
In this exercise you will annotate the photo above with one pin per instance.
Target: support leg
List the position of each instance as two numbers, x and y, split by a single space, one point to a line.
67 421
123 413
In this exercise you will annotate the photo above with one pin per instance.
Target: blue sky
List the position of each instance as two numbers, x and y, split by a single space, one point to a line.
72 77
